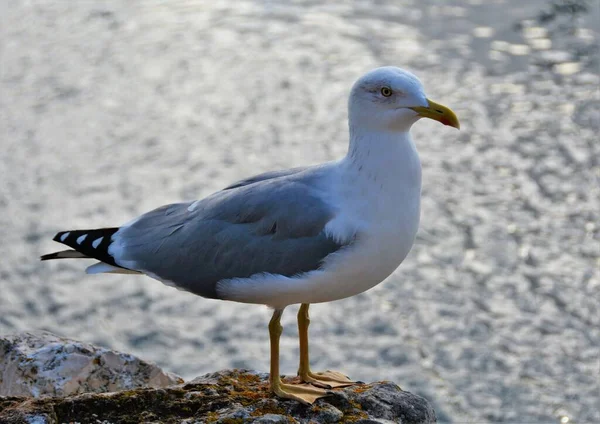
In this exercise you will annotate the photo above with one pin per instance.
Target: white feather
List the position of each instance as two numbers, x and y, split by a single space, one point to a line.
101 267
97 242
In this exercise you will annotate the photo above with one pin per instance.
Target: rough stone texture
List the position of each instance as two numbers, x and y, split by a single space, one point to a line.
110 108
226 397
45 364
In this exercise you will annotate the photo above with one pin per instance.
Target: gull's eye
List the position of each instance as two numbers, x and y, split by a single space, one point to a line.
386 91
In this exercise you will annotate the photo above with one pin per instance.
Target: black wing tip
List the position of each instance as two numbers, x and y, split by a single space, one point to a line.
65 237
92 243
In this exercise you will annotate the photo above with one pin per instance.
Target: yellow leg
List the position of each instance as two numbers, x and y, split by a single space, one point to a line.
301 393
327 379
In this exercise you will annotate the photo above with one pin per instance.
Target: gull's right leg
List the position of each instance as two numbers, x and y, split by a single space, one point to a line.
302 393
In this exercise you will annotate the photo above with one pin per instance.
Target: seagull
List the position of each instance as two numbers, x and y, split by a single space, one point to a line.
299 236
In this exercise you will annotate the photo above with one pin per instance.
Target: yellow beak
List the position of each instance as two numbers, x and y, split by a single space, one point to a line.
438 112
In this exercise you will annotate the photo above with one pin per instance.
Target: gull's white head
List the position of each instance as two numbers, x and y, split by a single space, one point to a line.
393 99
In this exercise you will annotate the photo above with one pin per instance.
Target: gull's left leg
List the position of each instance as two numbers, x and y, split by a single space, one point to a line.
327 379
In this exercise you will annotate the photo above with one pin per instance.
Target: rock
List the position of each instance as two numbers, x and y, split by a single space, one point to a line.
273 419
46 379
226 397
45 364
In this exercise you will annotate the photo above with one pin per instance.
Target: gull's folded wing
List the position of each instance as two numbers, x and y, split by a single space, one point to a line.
273 223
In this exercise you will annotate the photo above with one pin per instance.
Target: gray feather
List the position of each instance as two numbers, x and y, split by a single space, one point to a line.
266 176
269 225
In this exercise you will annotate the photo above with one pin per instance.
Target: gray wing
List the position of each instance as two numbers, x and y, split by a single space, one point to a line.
266 176
271 226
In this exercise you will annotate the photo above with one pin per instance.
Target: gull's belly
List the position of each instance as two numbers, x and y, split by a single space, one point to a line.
362 266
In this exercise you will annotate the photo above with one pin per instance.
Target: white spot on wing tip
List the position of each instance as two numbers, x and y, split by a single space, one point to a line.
64 236
97 242
80 239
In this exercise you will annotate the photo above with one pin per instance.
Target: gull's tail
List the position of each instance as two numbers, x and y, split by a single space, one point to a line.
89 244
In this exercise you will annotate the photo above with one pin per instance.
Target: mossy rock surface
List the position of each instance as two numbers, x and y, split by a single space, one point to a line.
225 397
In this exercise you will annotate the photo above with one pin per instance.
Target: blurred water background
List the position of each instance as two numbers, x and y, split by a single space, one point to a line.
111 108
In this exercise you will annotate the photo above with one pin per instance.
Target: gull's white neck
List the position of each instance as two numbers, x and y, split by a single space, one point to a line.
387 159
